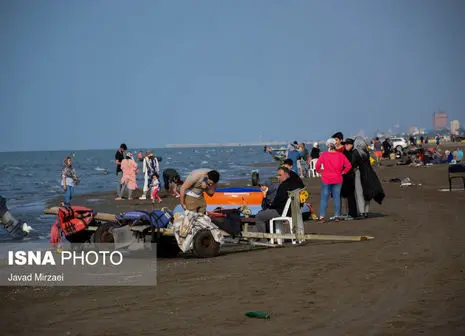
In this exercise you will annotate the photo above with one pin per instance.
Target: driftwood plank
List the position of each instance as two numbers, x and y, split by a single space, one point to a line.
99 216
306 236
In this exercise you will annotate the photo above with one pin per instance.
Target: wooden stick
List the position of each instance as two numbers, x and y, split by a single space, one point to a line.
306 237
265 244
99 216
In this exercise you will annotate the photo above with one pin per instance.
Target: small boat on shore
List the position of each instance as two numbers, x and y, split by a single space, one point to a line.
236 196
233 198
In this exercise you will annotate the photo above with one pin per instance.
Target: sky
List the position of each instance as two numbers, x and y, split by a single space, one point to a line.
92 74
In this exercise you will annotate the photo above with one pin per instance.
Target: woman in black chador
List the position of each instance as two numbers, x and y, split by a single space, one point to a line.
367 184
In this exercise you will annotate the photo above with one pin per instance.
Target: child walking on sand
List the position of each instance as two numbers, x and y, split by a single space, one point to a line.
155 187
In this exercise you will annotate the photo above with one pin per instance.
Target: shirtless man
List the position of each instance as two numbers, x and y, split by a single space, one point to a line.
199 181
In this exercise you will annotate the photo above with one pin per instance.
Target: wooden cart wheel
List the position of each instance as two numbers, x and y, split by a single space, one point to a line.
104 234
204 245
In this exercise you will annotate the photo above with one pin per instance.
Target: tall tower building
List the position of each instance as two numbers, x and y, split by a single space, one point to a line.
439 120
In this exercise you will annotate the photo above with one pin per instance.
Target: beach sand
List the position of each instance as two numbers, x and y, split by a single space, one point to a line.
409 279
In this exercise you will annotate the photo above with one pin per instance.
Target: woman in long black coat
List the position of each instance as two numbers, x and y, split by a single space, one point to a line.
367 184
348 183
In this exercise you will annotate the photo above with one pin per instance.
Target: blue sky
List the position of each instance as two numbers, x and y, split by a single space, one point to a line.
92 74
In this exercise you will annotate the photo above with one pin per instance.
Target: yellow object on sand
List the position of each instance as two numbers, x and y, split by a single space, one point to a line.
372 161
303 195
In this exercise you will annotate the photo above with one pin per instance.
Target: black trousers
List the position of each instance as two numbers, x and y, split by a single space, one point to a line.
348 192
353 212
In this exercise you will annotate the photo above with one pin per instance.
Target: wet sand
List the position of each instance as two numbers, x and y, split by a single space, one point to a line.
410 279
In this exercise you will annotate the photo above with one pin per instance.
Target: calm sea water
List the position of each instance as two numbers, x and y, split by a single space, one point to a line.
29 179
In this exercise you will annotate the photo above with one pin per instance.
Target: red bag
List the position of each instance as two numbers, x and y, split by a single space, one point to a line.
70 220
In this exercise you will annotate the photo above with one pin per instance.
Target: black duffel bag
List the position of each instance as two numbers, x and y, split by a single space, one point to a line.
228 220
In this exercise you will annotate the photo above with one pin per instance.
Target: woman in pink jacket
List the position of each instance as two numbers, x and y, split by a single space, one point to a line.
129 168
331 165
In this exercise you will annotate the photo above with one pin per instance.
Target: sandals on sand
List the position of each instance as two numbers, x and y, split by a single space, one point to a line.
323 220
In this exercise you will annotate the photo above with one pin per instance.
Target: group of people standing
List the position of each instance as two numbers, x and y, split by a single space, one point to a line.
383 149
301 157
127 169
346 173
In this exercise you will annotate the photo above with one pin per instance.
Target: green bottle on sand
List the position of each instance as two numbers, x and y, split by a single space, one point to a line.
257 314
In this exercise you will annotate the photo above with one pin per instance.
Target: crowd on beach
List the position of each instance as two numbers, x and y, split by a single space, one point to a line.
346 174
346 171
416 154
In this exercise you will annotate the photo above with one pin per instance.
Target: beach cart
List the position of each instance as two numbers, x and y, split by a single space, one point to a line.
207 238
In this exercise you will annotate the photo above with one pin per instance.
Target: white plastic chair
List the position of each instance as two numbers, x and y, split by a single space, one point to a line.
312 171
279 228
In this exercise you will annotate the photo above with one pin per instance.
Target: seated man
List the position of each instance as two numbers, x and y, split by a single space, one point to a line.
271 190
276 207
199 181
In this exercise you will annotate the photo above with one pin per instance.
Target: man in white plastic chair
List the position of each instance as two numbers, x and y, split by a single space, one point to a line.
279 202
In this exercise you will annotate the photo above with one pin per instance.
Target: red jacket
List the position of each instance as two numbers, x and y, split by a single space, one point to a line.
334 165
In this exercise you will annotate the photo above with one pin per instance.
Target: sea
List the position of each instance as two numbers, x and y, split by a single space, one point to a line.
29 179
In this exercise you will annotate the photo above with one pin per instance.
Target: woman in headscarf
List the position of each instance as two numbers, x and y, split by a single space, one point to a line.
69 180
129 168
367 184
331 165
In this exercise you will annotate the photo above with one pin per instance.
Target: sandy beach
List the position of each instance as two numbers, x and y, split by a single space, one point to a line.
410 279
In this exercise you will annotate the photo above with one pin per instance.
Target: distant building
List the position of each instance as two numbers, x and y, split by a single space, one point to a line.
439 120
413 130
454 127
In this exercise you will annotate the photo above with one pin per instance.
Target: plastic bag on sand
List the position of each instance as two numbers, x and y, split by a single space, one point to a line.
405 182
187 225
